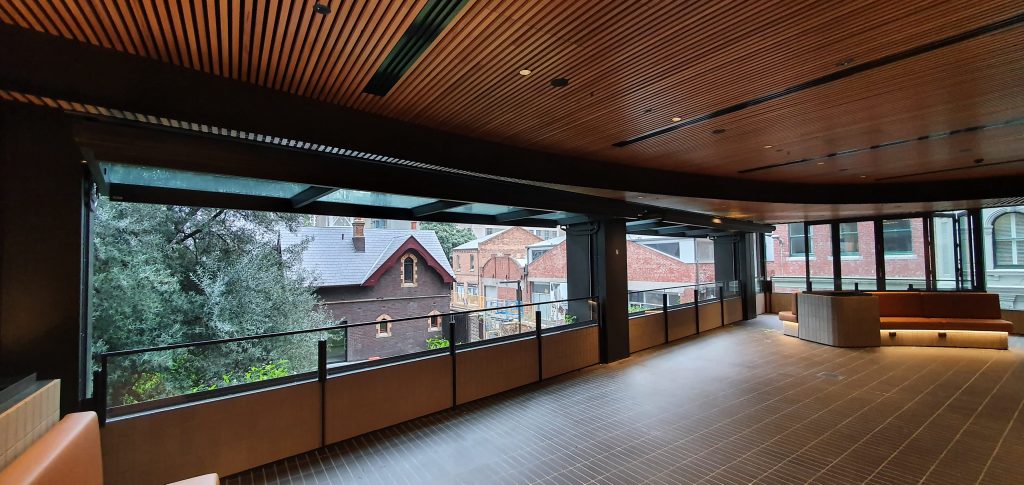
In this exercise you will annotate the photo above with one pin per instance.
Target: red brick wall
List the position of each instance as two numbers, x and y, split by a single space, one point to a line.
642 264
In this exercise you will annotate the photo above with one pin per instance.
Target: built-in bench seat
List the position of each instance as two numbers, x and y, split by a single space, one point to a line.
947 319
790 322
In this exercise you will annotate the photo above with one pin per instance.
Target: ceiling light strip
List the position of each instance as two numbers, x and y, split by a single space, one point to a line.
955 169
835 76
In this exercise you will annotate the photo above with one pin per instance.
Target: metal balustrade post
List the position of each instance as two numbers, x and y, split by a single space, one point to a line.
99 390
664 313
721 302
451 353
540 347
696 308
321 377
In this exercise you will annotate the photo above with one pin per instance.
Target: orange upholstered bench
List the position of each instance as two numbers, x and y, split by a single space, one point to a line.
947 319
68 453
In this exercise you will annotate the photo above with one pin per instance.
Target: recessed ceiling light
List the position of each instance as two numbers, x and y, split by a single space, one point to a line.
767 146
845 62
525 72
821 163
863 176
718 131
979 160
716 220
321 9
676 119
639 197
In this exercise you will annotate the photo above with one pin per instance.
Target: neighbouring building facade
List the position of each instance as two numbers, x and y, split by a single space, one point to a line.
367 275
473 287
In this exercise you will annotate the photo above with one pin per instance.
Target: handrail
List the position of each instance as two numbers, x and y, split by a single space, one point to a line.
101 376
201 343
689 285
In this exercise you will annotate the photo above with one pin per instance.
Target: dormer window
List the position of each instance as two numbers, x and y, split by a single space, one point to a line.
408 270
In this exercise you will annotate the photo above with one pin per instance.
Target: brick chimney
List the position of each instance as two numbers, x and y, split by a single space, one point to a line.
358 234
414 225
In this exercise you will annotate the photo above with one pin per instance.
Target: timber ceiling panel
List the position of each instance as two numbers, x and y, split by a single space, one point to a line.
632 67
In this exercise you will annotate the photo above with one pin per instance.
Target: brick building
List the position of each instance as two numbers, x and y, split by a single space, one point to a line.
366 275
646 267
904 255
472 287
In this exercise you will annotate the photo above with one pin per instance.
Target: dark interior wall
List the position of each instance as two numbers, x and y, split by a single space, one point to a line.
725 258
41 223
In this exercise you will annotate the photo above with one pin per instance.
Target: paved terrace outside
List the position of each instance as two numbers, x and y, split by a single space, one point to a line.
742 404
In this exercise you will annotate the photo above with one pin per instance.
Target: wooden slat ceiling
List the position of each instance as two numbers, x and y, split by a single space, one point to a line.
632 67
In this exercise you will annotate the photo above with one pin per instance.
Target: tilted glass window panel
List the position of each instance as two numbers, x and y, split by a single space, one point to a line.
116 173
364 197
897 236
484 209
1008 235
848 239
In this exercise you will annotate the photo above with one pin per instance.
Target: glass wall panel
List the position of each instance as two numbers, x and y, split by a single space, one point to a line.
785 266
821 257
857 255
1003 234
903 242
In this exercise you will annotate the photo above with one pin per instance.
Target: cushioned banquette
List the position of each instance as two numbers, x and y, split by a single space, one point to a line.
791 315
911 310
69 453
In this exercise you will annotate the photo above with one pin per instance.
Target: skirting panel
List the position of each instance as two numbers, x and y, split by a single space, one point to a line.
484 371
570 350
710 316
353 401
224 436
759 302
682 322
646 331
951 338
733 310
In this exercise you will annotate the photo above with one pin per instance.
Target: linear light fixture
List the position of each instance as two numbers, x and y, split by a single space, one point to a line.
423 31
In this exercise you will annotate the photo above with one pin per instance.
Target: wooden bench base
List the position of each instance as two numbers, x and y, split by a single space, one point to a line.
946 338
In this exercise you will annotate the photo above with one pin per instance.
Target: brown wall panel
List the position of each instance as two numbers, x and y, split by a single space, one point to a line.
570 350
733 310
224 436
646 332
710 316
681 323
782 302
364 401
489 370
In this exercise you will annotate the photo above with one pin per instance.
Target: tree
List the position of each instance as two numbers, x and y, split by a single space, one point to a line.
171 274
449 234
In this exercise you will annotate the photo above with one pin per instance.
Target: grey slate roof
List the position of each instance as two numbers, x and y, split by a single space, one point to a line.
475 244
332 257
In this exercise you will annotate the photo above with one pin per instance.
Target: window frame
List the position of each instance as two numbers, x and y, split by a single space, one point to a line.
856 238
432 317
407 281
910 235
382 320
1016 239
807 234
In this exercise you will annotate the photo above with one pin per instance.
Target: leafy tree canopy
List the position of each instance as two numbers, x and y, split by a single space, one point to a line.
449 235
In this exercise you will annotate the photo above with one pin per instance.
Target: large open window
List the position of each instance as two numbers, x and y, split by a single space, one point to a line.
786 266
904 245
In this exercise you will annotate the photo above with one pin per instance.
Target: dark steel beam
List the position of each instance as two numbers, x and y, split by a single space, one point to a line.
87 74
674 230
435 207
519 214
636 226
311 194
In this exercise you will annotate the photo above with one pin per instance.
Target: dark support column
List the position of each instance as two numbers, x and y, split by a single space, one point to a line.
596 257
879 256
725 258
808 247
979 249
43 214
837 259
747 274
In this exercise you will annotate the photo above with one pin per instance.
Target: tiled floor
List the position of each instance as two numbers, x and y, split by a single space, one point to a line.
737 405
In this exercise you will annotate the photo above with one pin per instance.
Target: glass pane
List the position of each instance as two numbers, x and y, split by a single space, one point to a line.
178 179
857 255
484 209
362 197
821 257
1001 274
946 251
903 241
785 270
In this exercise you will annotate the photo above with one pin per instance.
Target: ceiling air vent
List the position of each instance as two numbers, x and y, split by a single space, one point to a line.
421 33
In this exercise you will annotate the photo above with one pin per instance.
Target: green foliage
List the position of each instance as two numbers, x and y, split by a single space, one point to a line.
570 318
437 343
449 235
170 274
635 309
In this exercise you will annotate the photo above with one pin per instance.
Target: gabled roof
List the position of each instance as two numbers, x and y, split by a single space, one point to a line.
475 244
332 257
548 243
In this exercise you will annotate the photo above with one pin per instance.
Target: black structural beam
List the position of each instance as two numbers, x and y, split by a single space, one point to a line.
88 74
661 231
311 194
519 214
435 207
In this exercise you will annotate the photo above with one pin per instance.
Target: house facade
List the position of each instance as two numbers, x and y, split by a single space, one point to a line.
378 275
473 288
